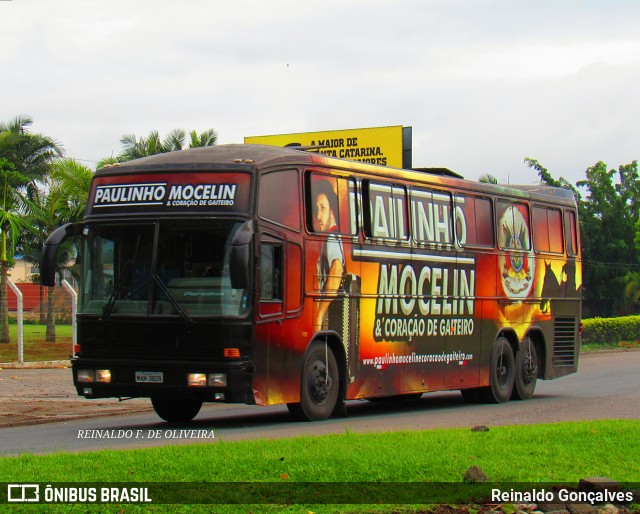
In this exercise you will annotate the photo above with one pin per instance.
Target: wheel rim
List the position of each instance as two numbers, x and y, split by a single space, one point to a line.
319 383
529 368
502 371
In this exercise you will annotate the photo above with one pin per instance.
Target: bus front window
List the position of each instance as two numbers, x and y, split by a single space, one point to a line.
193 264
169 269
116 267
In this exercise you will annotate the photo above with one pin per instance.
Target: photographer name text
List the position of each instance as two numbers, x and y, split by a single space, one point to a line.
146 434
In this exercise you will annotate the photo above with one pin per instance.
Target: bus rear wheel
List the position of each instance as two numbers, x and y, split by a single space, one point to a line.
176 410
502 373
526 371
320 384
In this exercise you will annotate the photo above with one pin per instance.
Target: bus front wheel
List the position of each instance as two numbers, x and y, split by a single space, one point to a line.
502 373
526 371
176 410
320 383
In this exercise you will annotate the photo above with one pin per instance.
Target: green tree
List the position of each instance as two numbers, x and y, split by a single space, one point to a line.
24 159
11 224
61 199
547 178
608 223
632 291
207 138
134 147
75 180
488 178
44 213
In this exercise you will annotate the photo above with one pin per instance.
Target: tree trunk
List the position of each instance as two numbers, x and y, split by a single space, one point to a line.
4 304
50 336
43 318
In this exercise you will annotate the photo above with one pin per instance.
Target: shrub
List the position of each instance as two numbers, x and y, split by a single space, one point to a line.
611 330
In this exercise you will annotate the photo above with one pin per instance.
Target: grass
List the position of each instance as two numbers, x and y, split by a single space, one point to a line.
622 345
35 348
558 453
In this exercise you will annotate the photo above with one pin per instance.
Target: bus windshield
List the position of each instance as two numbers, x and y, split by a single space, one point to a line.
165 268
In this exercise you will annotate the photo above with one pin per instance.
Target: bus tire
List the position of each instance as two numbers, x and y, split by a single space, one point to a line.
320 384
176 410
502 371
526 371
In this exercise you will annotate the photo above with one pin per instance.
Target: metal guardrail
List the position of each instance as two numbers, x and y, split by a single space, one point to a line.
20 316
20 320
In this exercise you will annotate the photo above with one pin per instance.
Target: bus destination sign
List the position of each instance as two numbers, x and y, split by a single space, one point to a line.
227 192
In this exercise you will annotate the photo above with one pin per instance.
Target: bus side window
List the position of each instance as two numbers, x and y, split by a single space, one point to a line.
571 233
337 197
432 217
386 211
474 221
513 226
547 230
279 199
271 266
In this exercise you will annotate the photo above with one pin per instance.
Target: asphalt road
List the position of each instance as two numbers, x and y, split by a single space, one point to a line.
607 386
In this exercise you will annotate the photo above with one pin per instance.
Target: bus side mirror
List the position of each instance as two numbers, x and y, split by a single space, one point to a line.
240 257
50 251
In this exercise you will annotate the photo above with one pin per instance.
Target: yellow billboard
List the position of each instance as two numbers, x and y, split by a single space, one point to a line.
378 145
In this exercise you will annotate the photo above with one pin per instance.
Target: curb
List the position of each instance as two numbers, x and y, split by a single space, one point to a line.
36 365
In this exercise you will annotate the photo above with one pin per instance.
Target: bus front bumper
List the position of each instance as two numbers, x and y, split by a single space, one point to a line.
229 382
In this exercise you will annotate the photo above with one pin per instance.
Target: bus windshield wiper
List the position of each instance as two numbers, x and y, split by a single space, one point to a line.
172 299
108 308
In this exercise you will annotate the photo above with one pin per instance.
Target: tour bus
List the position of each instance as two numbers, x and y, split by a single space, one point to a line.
264 275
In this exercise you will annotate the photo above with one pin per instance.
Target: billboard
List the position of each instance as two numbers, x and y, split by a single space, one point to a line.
386 146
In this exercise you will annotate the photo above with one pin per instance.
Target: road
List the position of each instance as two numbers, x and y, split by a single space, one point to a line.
607 386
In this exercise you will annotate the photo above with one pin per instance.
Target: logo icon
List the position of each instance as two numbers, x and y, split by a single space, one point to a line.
23 493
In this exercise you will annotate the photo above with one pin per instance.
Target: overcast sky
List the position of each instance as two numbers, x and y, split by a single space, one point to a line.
483 83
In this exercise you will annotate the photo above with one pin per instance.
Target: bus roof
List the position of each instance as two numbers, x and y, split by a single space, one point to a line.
252 157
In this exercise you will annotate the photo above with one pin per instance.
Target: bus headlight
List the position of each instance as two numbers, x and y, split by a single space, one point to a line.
89 376
196 379
86 376
217 379
103 376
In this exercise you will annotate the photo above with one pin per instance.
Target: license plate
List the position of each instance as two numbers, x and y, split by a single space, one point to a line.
149 377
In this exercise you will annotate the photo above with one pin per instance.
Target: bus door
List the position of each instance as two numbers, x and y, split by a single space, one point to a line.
268 347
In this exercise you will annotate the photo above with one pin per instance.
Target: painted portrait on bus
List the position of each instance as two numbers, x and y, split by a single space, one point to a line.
333 218
331 262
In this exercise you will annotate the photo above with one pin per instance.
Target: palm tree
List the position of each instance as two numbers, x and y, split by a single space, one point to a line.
11 225
207 138
44 210
488 178
135 147
31 154
75 180
61 198
24 159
